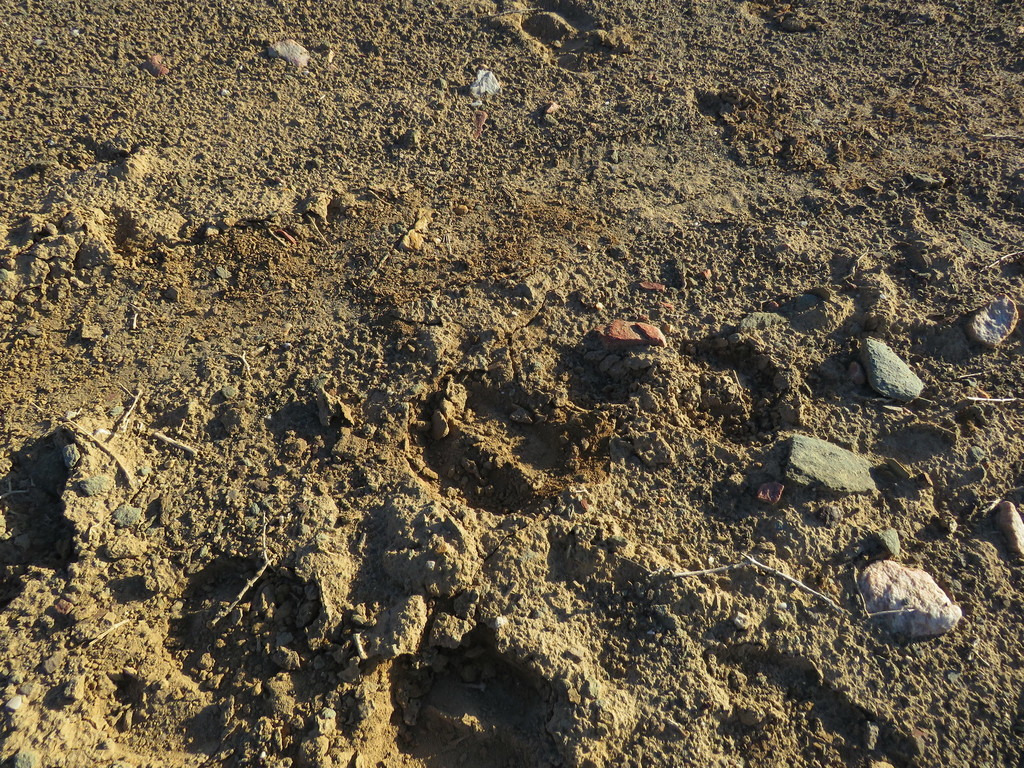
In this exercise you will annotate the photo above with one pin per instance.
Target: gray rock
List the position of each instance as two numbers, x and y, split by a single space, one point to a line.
888 375
919 606
755 321
71 455
25 758
97 485
815 461
889 542
805 301
126 516
991 325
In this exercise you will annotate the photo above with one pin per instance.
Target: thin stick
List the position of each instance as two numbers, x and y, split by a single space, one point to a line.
281 240
503 13
796 582
5 494
1001 259
992 399
126 416
77 430
107 631
706 571
249 584
992 505
749 560
193 452
245 364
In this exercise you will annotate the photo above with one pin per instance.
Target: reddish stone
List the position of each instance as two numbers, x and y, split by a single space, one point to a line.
620 334
155 65
771 492
63 606
647 285
857 375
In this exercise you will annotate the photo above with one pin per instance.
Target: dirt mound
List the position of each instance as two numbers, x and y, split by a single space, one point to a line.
320 447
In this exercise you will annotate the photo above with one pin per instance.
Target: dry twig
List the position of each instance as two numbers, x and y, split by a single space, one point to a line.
122 423
249 584
107 631
1002 259
752 561
80 432
193 452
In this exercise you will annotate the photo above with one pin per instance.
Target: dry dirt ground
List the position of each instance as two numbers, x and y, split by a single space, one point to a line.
311 455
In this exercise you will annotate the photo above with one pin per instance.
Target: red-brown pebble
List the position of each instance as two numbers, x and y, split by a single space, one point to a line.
771 492
155 65
857 375
647 285
620 334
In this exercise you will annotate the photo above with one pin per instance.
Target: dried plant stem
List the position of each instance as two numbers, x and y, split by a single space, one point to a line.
748 560
175 443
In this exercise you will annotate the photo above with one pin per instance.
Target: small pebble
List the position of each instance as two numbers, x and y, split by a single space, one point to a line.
25 758
887 373
830 515
15 703
888 542
229 391
439 426
97 485
155 65
991 325
290 51
770 492
647 285
1009 522
857 375
620 334
126 516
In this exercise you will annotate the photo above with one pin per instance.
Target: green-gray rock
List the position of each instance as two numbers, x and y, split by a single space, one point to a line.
97 485
888 374
126 516
25 758
755 321
815 461
889 542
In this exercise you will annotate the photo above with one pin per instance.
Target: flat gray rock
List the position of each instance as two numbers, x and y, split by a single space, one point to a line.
992 324
919 608
815 461
757 320
888 375
97 485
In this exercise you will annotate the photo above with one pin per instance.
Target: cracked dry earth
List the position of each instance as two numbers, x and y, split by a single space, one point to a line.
314 453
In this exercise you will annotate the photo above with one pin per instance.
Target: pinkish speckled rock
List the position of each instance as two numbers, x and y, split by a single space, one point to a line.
924 610
991 325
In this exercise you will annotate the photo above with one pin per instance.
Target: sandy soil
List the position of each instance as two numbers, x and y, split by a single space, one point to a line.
314 453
